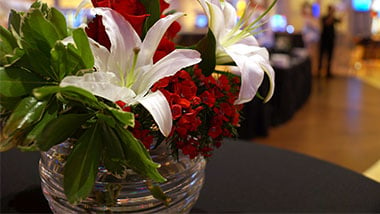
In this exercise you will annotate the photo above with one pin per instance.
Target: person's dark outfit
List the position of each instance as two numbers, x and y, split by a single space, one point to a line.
327 42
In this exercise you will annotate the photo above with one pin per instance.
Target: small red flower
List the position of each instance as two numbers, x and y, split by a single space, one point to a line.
123 106
208 98
176 111
215 132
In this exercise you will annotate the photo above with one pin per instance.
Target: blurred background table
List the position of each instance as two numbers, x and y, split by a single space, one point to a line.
240 177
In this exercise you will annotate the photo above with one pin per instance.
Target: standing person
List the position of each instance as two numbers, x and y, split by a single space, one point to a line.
311 35
327 41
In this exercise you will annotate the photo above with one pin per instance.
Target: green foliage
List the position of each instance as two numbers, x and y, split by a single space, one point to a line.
113 156
17 82
59 129
158 193
67 94
8 44
27 112
207 48
137 157
82 165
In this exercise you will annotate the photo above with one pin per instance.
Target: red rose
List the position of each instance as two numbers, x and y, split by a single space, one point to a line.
97 32
164 48
132 10
163 6
173 30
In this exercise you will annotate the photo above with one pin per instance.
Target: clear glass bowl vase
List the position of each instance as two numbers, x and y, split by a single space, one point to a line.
110 194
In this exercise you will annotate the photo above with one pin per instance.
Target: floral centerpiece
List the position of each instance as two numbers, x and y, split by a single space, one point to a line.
120 86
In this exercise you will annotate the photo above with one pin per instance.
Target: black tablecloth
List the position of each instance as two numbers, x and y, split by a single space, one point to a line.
240 177
292 89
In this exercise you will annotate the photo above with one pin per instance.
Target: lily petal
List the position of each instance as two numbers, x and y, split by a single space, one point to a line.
158 106
250 61
270 73
101 55
153 38
229 13
215 16
167 66
122 47
102 84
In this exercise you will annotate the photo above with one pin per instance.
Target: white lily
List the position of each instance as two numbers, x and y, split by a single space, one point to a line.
235 43
127 72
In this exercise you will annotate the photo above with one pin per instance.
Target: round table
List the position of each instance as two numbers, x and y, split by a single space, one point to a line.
240 177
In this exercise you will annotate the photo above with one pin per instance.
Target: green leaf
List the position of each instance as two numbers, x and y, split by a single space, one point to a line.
39 31
59 129
65 60
7 143
137 157
39 35
207 49
81 41
43 7
113 156
59 22
38 129
14 21
9 103
37 61
82 165
70 93
126 118
152 8
16 82
7 46
46 91
109 120
158 193
27 112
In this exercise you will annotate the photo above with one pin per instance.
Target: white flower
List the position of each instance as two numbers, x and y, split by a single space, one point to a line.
127 72
236 44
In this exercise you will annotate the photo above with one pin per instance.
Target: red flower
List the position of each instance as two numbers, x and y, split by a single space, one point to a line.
227 109
190 150
123 106
224 83
215 132
163 6
144 135
97 32
176 111
188 89
132 10
208 98
162 83
173 30
164 48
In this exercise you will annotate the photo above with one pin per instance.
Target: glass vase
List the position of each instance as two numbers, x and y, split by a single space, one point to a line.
111 194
